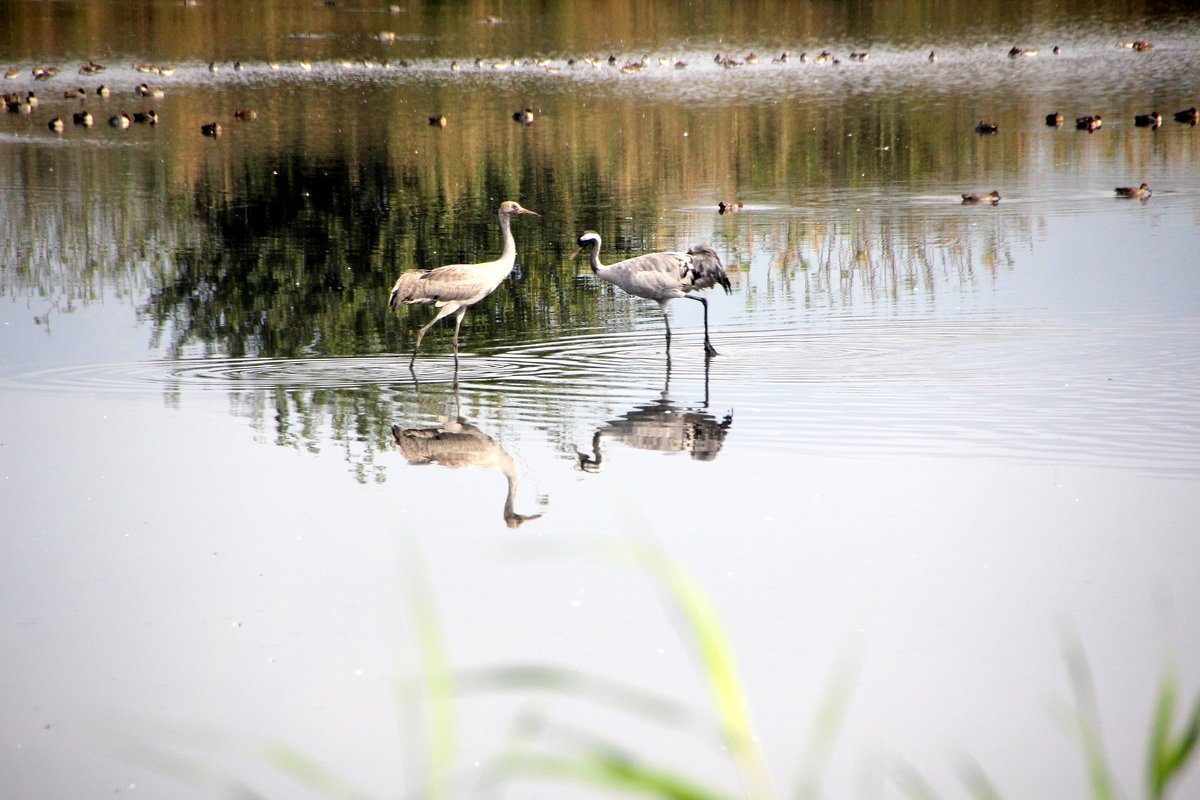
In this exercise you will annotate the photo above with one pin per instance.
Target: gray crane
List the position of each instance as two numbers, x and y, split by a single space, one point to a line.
456 287
662 277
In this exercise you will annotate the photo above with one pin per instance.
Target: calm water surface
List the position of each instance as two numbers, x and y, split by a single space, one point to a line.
939 440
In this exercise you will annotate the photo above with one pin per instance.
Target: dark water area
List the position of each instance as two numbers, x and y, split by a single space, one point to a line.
937 435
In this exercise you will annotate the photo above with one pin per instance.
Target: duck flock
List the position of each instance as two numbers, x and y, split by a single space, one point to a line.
28 102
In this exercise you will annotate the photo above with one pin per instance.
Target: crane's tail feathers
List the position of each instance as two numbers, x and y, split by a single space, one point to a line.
707 269
407 289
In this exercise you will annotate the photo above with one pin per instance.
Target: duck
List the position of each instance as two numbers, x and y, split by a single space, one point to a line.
992 197
1142 46
1018 52
731 207
12 73
120 121
103 91
146 117
1054 120
83 118
1151 120
438 121
1136 192
1189 116
986 127
57 125
32 99
245 114
144 90
525 116
211 129
77 93
1090 123
933 56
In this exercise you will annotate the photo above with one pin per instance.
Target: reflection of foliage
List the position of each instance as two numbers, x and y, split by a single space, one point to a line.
354 420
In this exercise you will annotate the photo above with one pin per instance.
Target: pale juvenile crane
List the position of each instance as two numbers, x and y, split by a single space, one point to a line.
456 287
663 277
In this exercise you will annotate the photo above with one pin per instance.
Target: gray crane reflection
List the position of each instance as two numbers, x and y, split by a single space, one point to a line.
456 443
663 425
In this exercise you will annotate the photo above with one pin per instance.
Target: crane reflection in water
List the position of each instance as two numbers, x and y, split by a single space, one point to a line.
663 425
456 443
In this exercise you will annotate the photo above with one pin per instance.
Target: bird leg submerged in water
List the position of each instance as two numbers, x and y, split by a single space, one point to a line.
456 287
663 277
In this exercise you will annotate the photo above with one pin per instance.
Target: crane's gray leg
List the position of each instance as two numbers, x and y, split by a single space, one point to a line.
709 350
445 310
666 321
458 318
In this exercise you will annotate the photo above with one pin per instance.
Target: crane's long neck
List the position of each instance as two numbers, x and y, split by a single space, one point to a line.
508 255
594 259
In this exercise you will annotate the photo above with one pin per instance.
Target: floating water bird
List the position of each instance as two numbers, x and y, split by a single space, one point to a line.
1188 116
1151 120
12 73
663 277
986 128
438 121
932 56
120 121
245 114
78 93
103 91
1136 192
144 90
1054 120
82 118
525 116
1018 52
57 125
211 129
1090 123
456 287
146 117
730 207
992 197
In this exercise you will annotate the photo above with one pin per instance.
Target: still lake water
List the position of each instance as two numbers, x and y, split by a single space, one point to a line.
936 439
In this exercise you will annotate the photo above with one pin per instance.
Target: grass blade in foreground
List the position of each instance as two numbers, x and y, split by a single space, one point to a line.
1168 755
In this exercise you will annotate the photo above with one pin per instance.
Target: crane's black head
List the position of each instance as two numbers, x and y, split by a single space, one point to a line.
588 237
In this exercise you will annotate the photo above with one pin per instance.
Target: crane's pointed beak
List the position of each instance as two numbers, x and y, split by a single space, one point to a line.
527 211
577 251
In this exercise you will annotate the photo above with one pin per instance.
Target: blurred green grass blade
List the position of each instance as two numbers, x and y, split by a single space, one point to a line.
579 684
1168 756
435 669
611 771
977 781
827 727
1087 722
912 783
307 772
717 663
